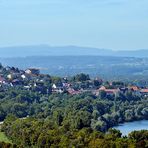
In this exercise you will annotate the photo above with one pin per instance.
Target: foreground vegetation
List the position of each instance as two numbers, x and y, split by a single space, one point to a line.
44 133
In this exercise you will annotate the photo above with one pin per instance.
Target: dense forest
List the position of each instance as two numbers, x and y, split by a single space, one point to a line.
45 133
62 120
78 111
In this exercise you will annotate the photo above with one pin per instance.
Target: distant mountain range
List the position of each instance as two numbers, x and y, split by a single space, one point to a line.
45 50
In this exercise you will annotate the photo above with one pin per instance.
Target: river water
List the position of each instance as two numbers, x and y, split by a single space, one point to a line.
128 127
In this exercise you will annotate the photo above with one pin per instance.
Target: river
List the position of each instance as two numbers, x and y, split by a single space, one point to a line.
128 127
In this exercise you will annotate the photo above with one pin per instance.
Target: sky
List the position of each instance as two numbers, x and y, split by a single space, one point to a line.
110 24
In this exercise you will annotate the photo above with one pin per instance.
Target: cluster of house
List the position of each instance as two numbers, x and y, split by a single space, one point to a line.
66 87
11 76
109 92
134 89
31 78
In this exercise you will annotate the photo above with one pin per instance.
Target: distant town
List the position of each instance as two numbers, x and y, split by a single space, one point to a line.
31 79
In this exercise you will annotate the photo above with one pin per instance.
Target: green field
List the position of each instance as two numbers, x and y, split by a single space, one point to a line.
3 138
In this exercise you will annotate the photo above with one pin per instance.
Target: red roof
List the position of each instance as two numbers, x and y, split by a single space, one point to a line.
1 79
135 88
111 90
144 90
74 92
102 88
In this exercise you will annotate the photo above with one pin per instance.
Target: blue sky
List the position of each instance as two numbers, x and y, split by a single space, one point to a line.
112 24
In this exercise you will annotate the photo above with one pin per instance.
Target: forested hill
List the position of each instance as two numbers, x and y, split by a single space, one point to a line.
125 68
45 50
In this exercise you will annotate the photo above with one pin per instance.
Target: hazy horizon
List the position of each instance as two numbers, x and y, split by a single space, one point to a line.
105 24
61 46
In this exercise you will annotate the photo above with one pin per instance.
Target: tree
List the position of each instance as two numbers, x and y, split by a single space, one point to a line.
102 94
114 133
81 77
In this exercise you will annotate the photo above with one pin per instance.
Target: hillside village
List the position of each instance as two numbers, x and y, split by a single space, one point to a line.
31 79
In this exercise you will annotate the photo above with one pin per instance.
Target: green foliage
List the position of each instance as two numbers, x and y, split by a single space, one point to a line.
3 138
33 132
81 77
141 138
